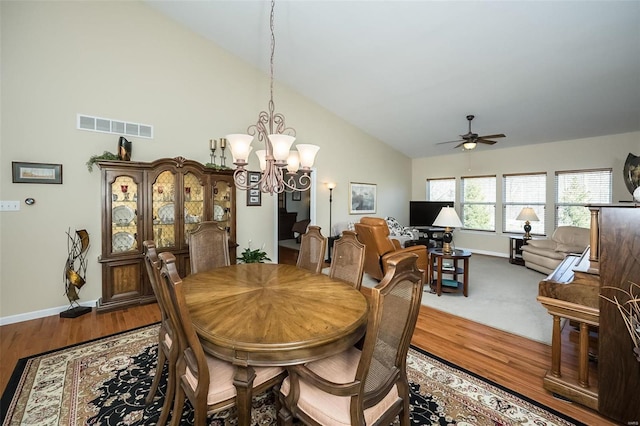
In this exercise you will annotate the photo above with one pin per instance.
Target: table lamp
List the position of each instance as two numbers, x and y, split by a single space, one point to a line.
447 218
527 214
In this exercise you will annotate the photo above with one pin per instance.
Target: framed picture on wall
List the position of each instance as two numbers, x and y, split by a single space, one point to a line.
254 196
296 196
362 198
36 172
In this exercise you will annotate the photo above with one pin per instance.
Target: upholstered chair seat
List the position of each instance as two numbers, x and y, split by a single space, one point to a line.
368 386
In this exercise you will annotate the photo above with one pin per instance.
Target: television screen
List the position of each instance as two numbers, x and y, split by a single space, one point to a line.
423 213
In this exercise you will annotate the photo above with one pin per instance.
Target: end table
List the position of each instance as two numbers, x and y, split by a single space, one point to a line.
515 249
440 284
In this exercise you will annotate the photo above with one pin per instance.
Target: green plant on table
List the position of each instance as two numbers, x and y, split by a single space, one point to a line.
253 256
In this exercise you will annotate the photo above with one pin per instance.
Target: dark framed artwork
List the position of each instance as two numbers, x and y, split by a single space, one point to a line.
36 172
362 198
254 196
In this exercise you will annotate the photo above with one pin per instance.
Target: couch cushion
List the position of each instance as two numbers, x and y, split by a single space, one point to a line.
571 239
541 244
544 251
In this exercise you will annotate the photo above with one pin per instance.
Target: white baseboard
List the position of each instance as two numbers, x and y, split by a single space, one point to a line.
42 313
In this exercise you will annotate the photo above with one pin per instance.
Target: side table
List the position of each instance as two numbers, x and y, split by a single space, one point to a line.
515 249
438 283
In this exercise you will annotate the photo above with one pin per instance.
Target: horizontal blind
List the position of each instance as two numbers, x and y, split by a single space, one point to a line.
583 187
443 189
575 189
520 191
479 203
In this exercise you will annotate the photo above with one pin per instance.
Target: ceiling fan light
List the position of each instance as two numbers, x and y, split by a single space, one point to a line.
469 145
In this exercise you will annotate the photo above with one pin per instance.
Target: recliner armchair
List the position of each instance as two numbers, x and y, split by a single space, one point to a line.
545 254
373 232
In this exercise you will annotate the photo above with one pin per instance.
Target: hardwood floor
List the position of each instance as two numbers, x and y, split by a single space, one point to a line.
511 361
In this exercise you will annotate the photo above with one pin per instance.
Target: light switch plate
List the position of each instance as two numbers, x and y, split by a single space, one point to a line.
9 206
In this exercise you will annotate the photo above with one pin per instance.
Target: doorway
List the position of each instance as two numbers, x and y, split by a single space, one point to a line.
294 215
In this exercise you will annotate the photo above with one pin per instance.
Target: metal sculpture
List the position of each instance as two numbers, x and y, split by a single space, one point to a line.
75 270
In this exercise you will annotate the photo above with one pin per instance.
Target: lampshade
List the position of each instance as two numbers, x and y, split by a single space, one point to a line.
448 218
307 155
331 185
240 146
262 158
293 162
281 145
528 214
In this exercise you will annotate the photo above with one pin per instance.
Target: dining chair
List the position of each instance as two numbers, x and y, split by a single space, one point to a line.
167 339
312 248
368 386
208 247
207 382
347 262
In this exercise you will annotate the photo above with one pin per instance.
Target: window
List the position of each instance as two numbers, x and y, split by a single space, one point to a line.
519 191
479 203
575 189
441 189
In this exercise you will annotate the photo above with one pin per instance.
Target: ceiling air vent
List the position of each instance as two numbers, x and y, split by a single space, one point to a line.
119 127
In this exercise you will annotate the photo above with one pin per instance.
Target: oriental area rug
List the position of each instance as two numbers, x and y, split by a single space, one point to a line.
105 382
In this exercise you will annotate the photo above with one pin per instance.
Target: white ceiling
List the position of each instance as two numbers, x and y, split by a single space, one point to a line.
408 72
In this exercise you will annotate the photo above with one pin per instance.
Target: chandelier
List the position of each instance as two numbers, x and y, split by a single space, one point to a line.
279 165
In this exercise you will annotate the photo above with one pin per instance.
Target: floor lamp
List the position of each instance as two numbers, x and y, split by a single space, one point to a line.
331 186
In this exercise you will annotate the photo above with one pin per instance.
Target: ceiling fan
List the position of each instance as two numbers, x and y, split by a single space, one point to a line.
470 140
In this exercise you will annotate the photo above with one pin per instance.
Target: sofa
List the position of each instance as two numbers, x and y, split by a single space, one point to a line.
545 254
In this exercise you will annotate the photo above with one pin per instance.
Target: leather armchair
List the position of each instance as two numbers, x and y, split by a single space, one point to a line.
373 232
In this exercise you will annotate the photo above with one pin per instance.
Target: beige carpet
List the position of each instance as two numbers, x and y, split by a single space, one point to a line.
501 295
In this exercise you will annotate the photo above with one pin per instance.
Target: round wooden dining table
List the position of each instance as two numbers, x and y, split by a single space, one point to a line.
265 314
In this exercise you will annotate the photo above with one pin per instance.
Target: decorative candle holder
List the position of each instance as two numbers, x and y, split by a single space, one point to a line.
223 146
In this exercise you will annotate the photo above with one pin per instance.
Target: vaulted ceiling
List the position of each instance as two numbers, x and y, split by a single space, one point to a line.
409 72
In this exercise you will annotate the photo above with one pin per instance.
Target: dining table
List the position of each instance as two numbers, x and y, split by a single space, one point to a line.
266 314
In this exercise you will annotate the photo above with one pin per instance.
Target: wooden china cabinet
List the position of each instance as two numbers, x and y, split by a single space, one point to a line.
161 201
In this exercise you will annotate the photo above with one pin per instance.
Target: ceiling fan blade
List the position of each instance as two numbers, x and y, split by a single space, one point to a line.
457 140
500 135
488 142
460 144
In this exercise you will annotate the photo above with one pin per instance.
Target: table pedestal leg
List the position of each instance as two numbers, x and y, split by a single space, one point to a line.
243 381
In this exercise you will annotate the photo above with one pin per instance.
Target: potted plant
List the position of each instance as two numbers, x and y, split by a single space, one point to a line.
104 156
253 256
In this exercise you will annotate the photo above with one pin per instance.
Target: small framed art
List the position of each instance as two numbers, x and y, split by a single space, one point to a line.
36 172
296 196
362 198
254 196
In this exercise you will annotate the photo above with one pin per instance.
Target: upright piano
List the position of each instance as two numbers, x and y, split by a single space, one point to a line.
572 292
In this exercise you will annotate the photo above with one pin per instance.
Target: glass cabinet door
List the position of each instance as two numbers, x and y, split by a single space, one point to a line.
124 214
193 193
222 212
163 198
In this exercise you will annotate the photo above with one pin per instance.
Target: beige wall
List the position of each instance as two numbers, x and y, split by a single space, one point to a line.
600 152
125 61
